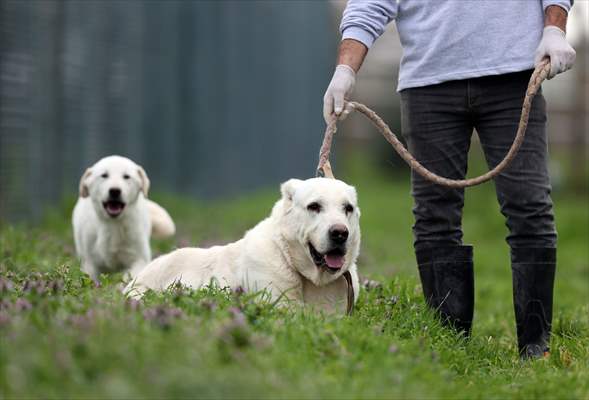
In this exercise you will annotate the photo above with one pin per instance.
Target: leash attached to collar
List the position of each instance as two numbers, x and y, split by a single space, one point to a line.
350 296
347 276
325 172
324 168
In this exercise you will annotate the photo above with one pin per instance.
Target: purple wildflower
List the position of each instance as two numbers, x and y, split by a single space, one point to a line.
5 304
393 349
209 305
238 291
55 286
162 316
235 332
4 318
22 305
35 286
369 285
237 315
132 304
83 321
6 285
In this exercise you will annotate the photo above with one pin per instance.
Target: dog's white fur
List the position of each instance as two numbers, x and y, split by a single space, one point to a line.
106 244
274 255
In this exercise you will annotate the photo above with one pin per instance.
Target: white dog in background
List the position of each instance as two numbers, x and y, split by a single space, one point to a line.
113 219
300 252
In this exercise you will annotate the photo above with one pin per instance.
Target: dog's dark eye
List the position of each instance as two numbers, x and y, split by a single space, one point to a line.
349 208
105 175
315 207
126 176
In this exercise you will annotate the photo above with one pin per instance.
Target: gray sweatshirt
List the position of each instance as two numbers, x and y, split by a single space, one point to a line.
446 40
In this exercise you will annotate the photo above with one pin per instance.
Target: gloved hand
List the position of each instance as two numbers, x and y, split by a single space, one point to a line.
339 88
554 45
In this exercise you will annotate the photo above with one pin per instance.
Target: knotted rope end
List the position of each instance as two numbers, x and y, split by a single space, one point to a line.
325 171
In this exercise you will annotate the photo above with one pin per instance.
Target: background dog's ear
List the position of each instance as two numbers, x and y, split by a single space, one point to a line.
289 187
83 184
144 180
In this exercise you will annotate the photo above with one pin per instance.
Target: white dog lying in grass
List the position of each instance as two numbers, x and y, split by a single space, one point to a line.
113 219
300 252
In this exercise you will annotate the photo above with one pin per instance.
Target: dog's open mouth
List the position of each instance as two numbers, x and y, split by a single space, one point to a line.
113 207
333 260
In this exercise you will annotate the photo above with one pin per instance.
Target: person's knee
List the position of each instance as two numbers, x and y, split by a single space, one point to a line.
438 217
530 219
537 231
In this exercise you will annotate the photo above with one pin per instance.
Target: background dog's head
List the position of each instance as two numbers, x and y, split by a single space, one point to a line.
320 220
114 183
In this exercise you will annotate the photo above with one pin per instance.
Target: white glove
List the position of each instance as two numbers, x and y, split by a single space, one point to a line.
339 88
554 45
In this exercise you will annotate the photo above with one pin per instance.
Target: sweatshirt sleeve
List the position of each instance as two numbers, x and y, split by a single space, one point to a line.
565 4
366 20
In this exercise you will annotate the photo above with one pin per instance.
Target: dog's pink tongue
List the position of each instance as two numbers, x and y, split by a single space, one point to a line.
114 208
334 260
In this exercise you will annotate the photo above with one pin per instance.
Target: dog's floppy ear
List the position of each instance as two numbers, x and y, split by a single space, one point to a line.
289 187
83 184
144 180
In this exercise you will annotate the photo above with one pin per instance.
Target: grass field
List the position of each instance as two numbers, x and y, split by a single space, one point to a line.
63 336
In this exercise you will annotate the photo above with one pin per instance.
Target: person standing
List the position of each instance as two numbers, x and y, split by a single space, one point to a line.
466 66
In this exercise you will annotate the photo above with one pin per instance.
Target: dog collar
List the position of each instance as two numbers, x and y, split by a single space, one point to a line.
350 297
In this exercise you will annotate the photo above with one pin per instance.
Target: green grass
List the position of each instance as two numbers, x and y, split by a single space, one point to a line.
62 336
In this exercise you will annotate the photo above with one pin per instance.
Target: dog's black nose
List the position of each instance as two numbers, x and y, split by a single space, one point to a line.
338 233
114 193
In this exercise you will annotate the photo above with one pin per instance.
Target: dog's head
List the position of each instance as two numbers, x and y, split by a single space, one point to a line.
320 220
114 183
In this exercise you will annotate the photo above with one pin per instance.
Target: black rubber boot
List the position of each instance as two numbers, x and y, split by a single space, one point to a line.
447 279
533 283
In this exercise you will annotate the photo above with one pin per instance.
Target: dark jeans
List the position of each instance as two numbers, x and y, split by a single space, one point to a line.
438 122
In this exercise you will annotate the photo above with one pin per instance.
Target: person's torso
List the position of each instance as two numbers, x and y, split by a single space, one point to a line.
458 39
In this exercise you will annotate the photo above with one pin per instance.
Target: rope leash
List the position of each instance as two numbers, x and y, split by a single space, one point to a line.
324 167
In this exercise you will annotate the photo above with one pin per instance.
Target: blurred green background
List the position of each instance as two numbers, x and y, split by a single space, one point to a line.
213 98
